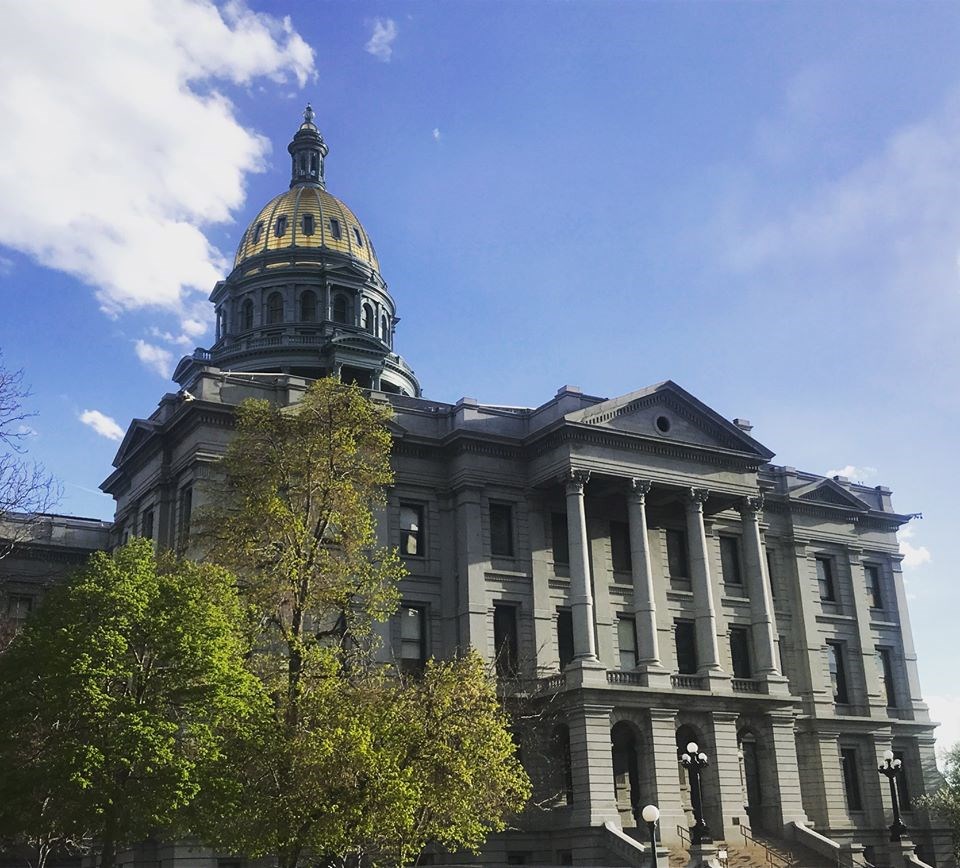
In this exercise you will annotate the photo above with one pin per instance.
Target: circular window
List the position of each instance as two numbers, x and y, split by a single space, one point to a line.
663 424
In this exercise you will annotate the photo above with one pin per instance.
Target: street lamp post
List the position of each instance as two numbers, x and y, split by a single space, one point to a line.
693 761
890 769
650 814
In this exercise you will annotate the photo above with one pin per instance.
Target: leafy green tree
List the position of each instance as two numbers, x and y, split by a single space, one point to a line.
945 802
349 767
112 699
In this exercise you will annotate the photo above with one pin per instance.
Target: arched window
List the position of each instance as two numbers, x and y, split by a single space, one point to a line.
308 306
281 227
246 315
274 308
340 309
369 319
384 329
308 224
257 231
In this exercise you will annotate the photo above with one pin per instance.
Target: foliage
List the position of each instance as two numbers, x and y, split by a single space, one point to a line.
945 802
353 765
111 698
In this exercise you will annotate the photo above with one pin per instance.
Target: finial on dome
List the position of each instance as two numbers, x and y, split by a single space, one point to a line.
308 114
308 150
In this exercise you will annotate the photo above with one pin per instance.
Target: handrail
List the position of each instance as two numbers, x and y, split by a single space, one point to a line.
775 860
684 834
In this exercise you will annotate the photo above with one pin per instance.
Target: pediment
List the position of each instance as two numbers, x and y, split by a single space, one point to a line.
669 413
829 492
139 432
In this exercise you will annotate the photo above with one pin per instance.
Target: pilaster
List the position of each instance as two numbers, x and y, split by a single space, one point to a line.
544 621
783 744
472 615
818 755
594 802
666 771
727 763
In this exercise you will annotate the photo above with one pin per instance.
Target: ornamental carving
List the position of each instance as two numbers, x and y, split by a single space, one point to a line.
699 496
752 506
575 480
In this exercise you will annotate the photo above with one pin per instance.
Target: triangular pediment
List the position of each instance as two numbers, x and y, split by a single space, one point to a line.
140 431
829 492
669 413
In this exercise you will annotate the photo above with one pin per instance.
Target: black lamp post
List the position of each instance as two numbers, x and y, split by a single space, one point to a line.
693 761
890 769
650 814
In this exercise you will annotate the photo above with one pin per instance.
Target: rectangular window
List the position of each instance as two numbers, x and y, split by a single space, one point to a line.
19 607
561 539
281 226
686 639
308 224
825 579
885 656
411 530
501 529
740 652
146 524
505 638
771 572
565 637
677 554
836 657
620 547
730 560
184 511
335 229
627 641
413 638
851 778
873 586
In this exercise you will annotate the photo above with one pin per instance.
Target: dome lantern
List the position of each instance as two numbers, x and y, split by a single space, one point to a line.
307 151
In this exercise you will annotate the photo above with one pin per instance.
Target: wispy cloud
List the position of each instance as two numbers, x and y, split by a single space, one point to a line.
156 153
436 134
104 425
857 474
6 266
913 556
157 359
380 43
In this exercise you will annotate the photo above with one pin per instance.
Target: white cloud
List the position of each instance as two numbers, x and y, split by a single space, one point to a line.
851 471
436 134
104 425
156 358
6 266
913 556
380 44
155 153
946 711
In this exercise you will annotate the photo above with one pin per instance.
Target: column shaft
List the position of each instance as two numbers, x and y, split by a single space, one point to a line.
708 653
472 602
644 607
758 586
581 595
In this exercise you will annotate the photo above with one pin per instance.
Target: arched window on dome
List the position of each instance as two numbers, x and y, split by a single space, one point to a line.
308 224
357 236
369 318
281 227
308 306
335 229
274 308
384 329
246 315
341 309
257 232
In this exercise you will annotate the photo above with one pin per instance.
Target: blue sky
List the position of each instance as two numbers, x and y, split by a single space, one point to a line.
758 201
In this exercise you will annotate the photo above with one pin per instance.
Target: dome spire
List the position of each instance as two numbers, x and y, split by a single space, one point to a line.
307 150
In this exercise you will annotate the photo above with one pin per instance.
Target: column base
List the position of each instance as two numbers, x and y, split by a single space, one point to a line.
776 684
657 676
715 679
586 672
704 854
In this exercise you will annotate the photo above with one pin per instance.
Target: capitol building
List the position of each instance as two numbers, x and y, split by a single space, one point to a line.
638 562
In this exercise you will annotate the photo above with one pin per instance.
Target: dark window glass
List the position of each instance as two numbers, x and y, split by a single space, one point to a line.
246 314
686 639
369 320
281 227
627 641
384 329
565 857
308 224
501 529
411 529
19 607
771 572
356 235
257 232
517 857
561 539
677 554
413 638
873 586
740 652
620 546
902 785
505 638
146 524
851 778
340 309
825 579
565 637
730 560
274 308
313 164
886 669
335 228
308 306
561 753
783 667
836 657
186 507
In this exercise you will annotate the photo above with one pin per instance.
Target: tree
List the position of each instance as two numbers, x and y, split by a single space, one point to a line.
112 699
26 489
945 802
347 765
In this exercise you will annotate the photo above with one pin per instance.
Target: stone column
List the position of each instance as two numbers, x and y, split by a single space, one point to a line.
472 605
644 606
708 653
594 800
875 699
581 594
763 621
666 772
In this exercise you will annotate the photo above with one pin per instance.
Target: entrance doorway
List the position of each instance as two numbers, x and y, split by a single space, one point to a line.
626 773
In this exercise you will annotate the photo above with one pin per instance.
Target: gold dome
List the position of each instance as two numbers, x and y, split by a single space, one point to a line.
306 217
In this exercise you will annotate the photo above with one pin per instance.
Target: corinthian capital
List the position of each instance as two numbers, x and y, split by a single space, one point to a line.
640 488
575 480
698 497
752 506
